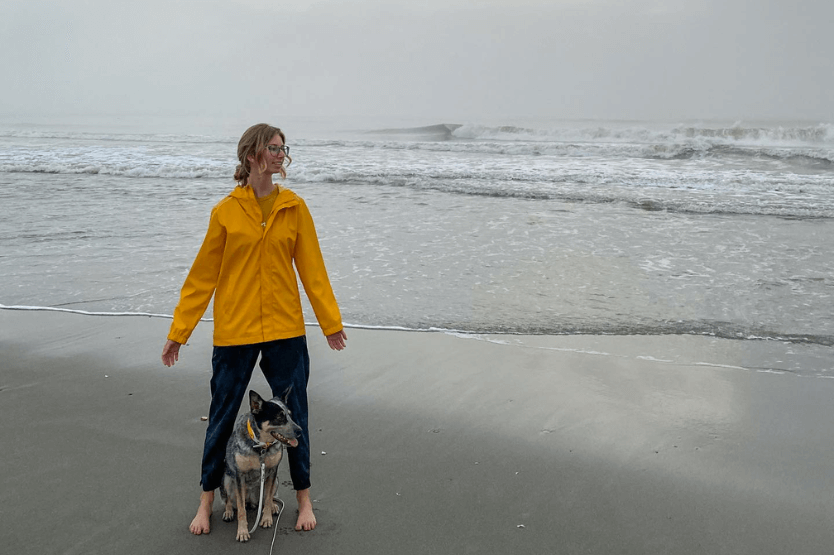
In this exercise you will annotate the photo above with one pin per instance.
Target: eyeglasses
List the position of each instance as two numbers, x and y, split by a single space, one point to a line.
275 149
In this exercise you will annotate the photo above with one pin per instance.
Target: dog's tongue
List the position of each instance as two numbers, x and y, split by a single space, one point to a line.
293 443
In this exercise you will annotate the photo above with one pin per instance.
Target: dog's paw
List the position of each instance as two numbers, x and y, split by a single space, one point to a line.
242 534
228 515
266 520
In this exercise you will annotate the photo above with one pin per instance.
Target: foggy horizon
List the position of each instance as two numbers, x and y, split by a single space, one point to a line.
438 62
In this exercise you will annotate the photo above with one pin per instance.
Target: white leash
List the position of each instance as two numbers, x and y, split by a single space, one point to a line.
277 518
261 508
260 499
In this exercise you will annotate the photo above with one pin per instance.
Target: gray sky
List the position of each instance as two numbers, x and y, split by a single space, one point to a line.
444 60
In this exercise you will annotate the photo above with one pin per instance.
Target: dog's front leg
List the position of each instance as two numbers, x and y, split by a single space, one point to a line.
269 506
242 525
227 493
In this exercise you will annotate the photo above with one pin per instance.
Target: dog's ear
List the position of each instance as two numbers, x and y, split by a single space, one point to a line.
256 402
286 395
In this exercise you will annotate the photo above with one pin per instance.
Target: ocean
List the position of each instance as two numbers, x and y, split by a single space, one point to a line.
718 229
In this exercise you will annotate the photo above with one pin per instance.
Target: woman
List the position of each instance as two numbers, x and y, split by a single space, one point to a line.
246 261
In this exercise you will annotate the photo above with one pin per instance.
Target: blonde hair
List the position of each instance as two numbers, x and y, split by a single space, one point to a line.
252 143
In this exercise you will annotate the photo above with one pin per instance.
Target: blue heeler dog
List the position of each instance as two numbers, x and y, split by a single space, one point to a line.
258 437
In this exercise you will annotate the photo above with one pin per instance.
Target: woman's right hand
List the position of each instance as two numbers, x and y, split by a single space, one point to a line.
170 353
337 340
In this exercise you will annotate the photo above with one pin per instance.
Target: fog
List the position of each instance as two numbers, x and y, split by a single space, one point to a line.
439 60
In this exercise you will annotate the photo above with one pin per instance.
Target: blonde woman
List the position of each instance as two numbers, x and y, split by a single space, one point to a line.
255 236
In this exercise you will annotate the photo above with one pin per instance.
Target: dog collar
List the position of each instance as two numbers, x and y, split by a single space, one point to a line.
258 444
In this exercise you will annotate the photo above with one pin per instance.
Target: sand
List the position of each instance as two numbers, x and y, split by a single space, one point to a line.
422 443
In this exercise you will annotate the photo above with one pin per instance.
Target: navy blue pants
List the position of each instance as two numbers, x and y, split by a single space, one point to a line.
284 362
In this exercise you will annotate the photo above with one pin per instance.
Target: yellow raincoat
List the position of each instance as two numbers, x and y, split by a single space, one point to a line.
248 266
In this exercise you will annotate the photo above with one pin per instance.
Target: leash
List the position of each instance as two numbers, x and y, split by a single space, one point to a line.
263 447
261 507
277 518
260 498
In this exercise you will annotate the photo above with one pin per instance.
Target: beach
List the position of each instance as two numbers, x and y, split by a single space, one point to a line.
423 442
582 252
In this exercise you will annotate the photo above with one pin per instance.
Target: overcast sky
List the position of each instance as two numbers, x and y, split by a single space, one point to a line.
447 60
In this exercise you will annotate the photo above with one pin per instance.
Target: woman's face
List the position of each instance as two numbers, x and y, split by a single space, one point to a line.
272 155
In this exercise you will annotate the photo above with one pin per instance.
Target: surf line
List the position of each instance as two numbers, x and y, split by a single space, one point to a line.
169 317
449 331
84 312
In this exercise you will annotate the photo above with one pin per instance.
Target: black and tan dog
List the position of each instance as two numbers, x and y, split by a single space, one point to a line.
258 437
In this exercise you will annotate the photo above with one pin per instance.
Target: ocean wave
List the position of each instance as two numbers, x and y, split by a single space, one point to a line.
182 171
721 330
815 135
652 186
680 149
442 131
805 197
186 167
801 156
818 134
115 137
794 149
812 143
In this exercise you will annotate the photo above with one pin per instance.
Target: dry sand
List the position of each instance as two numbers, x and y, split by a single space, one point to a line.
434 444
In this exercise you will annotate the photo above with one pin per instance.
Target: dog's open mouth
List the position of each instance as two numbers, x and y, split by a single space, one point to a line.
291 442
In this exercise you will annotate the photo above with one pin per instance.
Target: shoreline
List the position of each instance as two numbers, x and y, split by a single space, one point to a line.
793 356
798 340
422 443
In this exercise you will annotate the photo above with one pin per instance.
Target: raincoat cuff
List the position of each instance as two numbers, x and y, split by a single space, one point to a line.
332 329
179 337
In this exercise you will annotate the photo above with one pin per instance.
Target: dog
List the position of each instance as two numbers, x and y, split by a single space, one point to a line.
258 437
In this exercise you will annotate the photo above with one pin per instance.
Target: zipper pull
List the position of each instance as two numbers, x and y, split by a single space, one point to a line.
263 224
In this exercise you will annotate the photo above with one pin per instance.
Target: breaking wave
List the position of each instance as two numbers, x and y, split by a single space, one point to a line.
442 131
808 148
818 134
804 159
737 169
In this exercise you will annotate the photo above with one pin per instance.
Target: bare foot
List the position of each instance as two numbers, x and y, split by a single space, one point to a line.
306 518
202 522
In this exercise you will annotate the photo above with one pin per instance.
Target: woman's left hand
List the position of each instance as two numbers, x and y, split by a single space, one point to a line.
337 340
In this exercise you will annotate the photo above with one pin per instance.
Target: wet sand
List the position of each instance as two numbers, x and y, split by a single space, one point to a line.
422 443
